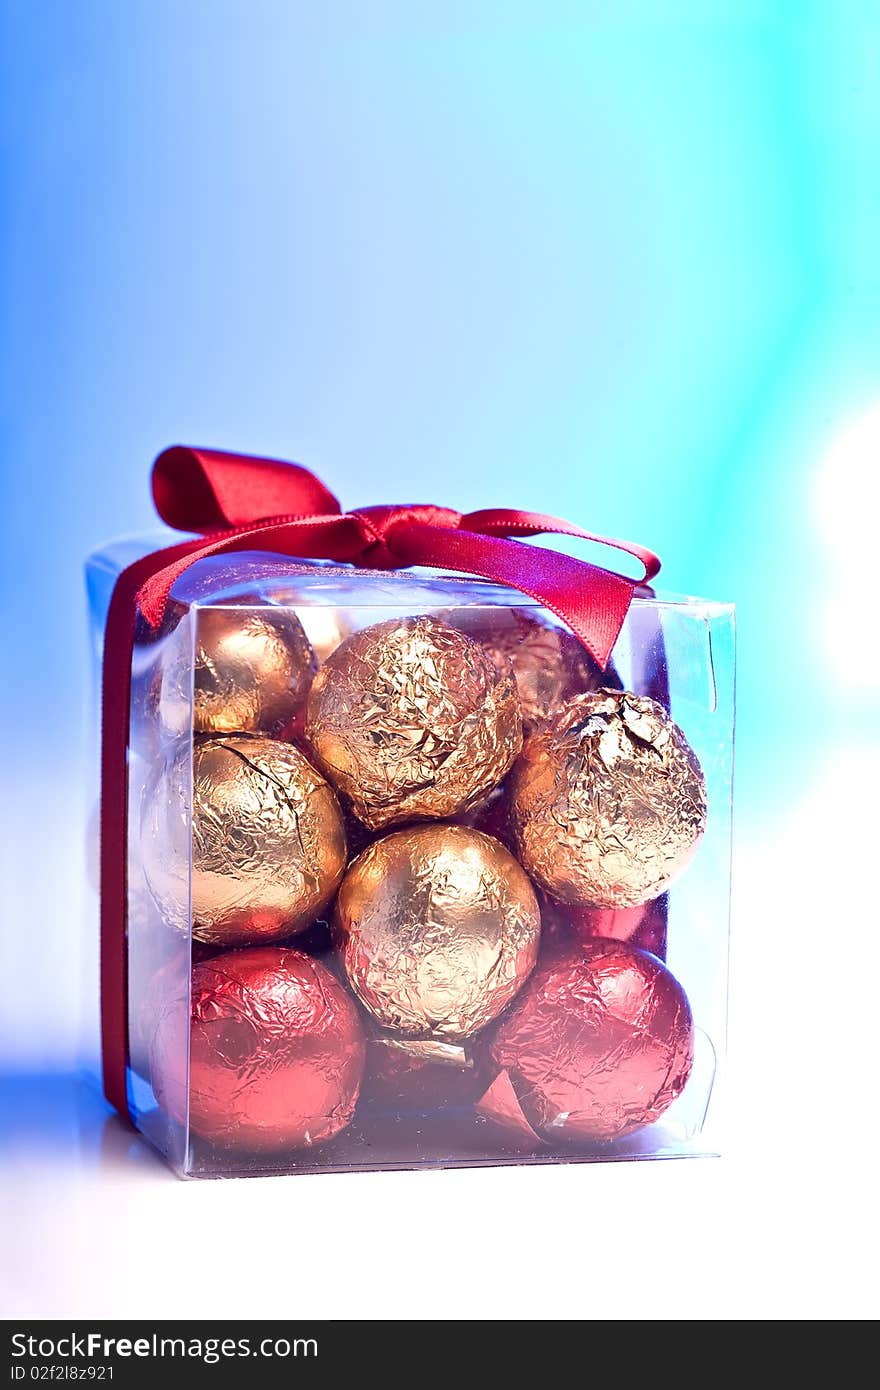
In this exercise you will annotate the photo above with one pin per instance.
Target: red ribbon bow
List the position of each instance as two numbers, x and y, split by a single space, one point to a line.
241 503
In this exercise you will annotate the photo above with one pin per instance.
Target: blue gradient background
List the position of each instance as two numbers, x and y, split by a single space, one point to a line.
625 270
620 269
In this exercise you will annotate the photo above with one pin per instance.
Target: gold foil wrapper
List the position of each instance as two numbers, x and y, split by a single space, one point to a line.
439 929
410 719
268 841
250 673
608 801
275 1050
549 663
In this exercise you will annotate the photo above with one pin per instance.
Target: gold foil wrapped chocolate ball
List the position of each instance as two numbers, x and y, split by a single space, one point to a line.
268 841
439 929
250 673
410 719
549 663
608 801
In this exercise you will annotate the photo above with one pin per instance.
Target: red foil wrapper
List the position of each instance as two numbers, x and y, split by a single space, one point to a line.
276 1052
153 990
644 926
598 1045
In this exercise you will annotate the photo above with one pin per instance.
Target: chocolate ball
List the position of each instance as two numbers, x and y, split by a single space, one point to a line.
276 1052
439 929
599 1044
607 801
267 844
410 719
250 673
549 663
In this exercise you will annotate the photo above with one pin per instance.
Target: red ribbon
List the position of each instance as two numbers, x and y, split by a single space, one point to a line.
239 503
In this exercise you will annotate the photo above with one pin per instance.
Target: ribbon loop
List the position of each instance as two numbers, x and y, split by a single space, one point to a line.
207 490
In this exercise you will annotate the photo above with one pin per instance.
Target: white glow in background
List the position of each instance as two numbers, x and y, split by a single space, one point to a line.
846 499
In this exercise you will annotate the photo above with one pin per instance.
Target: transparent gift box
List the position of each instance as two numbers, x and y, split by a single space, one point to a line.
367 925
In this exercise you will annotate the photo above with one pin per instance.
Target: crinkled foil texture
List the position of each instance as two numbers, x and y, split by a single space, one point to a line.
411 719
276 1051
439 929
268 840
599 1044
251 672
608 800
549 663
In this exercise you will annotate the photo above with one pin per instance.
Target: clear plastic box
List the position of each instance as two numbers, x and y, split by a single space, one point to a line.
323 1053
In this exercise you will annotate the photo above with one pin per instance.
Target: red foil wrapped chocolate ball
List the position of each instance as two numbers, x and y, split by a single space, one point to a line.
151 992
599 1044
276 1052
